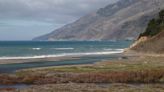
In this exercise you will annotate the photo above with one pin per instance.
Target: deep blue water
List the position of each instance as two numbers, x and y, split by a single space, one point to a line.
89 52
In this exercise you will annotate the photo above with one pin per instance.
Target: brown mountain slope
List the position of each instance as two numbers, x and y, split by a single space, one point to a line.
154 44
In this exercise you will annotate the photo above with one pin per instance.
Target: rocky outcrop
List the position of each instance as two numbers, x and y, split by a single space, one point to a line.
154 44
140 40
123 20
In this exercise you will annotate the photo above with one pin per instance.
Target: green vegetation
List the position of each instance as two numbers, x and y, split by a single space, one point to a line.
154 26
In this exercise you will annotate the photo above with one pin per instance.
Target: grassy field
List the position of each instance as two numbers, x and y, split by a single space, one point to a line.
71 87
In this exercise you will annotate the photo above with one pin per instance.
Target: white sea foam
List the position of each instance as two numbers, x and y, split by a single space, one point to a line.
108 49
63 48
113 49
64 54
36 48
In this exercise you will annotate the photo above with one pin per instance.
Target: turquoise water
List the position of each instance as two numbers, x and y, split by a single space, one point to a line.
88 51
9 49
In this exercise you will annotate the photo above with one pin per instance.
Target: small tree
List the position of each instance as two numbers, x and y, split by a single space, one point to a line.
154 25
161 15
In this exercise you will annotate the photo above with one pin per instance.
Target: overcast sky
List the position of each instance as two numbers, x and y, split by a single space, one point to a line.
26 19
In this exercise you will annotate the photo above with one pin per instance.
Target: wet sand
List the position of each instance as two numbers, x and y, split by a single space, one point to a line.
15 61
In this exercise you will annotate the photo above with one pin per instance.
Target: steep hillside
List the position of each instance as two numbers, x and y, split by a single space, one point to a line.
123 20
151 45
152 40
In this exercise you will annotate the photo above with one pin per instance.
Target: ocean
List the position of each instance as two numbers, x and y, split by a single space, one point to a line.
88 51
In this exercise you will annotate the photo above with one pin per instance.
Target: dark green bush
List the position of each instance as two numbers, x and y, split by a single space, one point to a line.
154 26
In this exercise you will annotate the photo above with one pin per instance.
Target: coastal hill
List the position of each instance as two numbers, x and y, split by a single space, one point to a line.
123 20
152 40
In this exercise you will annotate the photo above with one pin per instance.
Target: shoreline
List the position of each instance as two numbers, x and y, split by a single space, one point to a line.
126 53
12 60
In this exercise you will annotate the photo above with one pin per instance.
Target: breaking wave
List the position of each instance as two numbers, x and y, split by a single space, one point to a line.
36 48
63 48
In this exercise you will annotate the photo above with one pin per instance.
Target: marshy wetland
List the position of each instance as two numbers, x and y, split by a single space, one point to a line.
138 74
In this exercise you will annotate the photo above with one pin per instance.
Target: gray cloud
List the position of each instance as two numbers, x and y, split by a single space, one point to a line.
54 11
26 19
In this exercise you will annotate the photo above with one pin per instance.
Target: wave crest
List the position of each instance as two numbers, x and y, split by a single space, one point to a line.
63 48
36 48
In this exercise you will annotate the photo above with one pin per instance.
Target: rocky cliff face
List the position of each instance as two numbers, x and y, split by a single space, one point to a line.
123 20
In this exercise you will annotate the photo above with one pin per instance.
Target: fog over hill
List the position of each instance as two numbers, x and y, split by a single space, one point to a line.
123 20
